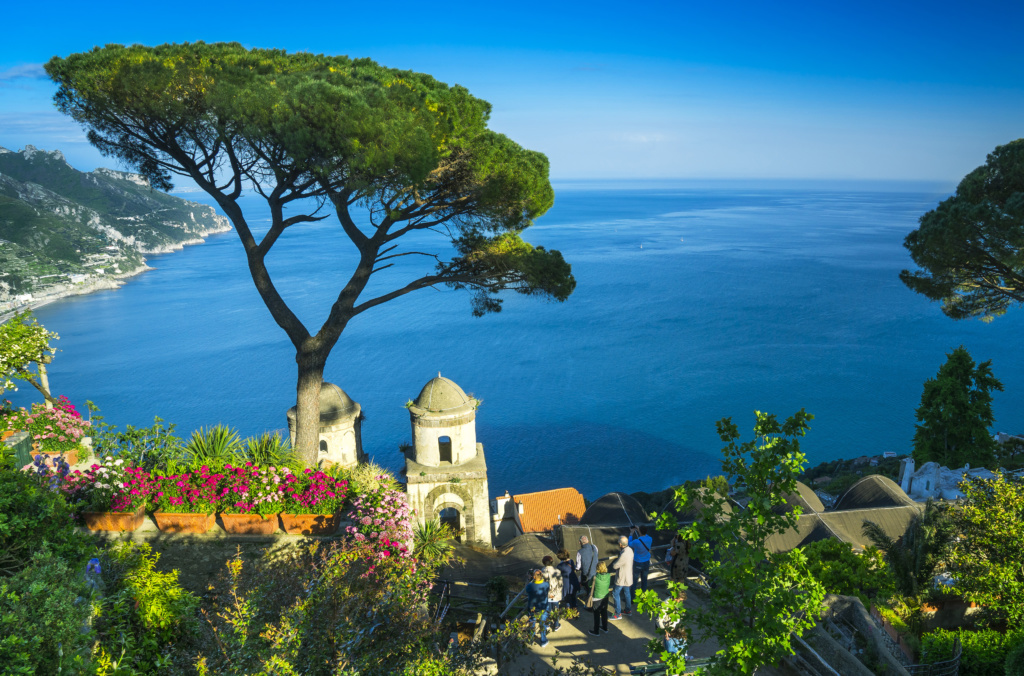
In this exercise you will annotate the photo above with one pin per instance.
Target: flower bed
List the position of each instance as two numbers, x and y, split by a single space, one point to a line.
56 430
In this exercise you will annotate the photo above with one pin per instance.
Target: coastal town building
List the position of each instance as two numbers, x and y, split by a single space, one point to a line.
538 512
933 481
445 469
341 441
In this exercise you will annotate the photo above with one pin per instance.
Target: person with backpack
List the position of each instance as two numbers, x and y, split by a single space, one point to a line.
570 582
640 542
537 600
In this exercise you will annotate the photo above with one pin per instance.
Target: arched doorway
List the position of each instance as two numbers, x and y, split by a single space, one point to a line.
451 516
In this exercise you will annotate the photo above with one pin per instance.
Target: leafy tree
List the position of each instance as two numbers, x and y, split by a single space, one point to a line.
956 412
398 157
969 247
757 598
24 342
987 557
914 557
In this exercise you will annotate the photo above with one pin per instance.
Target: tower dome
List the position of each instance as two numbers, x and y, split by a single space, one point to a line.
442 395
335 406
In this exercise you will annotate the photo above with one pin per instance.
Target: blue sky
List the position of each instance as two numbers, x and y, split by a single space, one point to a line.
841 90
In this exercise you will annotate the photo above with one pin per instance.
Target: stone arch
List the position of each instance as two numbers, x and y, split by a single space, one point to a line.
433 508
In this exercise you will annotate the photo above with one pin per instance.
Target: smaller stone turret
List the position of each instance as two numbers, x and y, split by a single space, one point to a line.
340 437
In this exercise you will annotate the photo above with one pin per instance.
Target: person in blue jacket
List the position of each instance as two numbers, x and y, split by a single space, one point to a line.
537 600
640 543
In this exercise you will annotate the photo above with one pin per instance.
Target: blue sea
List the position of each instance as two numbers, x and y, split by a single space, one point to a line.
695 301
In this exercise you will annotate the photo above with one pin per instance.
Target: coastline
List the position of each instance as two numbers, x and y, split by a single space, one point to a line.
107 282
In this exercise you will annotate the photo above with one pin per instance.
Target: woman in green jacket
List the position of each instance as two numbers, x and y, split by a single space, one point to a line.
602 583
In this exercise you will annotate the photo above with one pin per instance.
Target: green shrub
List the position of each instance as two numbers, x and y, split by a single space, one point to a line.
985 651
217 445
145 447
1015 660
267 450
43 610
841 571
33 515
142 613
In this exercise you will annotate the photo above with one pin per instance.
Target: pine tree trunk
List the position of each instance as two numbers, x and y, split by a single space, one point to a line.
307 418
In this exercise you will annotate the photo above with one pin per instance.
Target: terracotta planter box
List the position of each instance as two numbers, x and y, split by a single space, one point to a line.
249 524
71 457
309 524
184 522
116 521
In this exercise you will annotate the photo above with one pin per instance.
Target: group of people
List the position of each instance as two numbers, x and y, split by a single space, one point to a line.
561 585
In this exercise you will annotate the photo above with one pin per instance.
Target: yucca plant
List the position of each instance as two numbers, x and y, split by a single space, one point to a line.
268 450
432 543
216 445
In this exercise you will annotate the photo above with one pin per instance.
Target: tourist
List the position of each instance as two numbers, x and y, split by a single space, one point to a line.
675 632
640 542
537 600
678 558
586 562
623 579
571 583
553 576
602 583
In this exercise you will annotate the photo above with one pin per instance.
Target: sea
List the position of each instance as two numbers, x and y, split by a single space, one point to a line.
695 301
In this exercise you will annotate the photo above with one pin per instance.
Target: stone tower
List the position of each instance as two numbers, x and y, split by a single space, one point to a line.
340 440
445 468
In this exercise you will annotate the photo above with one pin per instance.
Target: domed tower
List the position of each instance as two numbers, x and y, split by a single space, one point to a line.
341 442
445 468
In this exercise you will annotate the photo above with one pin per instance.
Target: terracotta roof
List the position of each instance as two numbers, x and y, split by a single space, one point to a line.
544 510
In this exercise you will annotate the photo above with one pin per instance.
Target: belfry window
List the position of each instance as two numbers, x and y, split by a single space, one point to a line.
444 445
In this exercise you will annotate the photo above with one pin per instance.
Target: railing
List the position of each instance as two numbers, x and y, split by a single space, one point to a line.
950 667
444 600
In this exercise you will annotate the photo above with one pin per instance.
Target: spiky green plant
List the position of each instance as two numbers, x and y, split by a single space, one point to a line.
432 543
215 445
369 476
268 450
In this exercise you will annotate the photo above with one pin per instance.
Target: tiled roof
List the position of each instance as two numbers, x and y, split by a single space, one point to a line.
544 510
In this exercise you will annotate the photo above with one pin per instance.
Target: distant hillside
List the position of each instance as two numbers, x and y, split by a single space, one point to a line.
61 228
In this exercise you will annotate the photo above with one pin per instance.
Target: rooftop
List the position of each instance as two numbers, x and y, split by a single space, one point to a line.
544 510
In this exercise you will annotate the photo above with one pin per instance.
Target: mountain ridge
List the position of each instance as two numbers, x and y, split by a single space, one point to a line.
65 231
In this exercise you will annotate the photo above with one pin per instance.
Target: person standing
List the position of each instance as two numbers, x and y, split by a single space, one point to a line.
586 562
602 583
553 577
623 579
571 583
678 559
640 542
537 601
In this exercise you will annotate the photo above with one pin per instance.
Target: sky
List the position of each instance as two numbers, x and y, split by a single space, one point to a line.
683 90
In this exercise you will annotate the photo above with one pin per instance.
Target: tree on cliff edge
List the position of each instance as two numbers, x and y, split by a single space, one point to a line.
956 412
969 248
395 155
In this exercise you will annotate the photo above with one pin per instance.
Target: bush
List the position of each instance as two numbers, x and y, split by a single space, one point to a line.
1015 660
43 610
32 516
985 651
841 571
143 612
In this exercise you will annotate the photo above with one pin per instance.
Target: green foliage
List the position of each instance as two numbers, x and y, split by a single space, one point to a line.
969 247
141 614
23 342
267 450
757 599
984 651
34 516
144 447
987 557
432 542
44 608
216 445
841 571
1015 659
914 558
955 414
